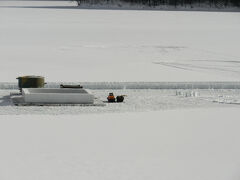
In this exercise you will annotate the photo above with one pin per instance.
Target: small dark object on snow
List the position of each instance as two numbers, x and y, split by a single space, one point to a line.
71 86
111 97
120 98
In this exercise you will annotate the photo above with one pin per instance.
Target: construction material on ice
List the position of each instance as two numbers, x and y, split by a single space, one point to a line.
78 86
65 96
47 96
30 82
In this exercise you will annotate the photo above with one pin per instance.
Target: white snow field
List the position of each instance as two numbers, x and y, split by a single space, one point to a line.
63 43
157 133
142 100
187 144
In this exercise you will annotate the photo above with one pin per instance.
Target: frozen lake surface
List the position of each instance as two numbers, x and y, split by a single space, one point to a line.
155 134
138 100
69 44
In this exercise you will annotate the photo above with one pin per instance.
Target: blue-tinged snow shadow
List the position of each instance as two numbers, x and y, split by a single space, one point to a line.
5 101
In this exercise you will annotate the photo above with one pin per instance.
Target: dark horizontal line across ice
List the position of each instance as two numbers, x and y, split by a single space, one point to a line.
138 85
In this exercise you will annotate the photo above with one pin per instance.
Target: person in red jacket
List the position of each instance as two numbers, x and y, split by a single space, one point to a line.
111 97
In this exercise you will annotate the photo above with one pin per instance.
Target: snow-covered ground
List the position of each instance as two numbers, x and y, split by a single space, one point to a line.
187 144
155 134
68 44
141 100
